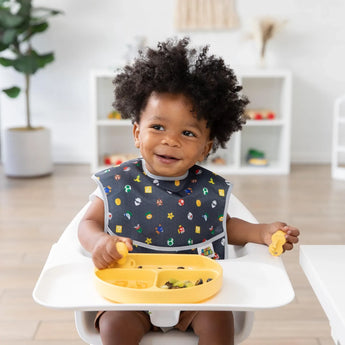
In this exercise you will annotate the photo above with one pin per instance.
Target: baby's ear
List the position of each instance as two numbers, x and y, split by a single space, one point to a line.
136 132
207 150
209 147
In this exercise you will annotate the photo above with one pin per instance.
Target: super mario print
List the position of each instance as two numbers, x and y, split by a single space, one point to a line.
162 215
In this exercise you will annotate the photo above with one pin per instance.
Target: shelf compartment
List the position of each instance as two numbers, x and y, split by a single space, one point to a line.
104 92
340 110
114 140
341 157
341 134
228 155
341 149
267 93
267 140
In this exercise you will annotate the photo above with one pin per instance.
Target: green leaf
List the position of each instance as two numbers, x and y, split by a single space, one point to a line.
34 29
3 46
44 12
6 62
25 8
30 64
44 59
9 36
9 20
39 27
26 64
12 92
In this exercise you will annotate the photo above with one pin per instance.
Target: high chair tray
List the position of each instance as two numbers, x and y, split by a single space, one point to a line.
252 279
160 278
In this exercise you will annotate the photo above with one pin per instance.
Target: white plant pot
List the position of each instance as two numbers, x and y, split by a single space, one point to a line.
27 152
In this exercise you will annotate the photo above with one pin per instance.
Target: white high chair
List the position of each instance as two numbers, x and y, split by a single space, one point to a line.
252 280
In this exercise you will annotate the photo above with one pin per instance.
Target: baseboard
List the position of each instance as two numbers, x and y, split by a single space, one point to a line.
310 157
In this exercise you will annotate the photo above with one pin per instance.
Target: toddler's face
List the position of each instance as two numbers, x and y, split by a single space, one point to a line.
170 137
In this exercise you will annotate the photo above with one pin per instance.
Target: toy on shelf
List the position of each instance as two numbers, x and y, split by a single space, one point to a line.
256 158
218 160
260 114
117 159
114 115
278 240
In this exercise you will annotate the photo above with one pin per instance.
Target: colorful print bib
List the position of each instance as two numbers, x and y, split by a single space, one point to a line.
186 215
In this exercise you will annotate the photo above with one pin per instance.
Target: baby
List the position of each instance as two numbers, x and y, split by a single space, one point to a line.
184 104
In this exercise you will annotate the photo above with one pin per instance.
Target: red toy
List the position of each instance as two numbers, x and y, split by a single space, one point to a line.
260 114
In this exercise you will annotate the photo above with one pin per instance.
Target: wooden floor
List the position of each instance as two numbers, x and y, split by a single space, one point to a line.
34 212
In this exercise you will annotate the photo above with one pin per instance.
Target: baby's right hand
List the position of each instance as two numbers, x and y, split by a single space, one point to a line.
105 252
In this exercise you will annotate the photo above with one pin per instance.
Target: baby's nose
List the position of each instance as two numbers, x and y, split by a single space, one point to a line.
171 139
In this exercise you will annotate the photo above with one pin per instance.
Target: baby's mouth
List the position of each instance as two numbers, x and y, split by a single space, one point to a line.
167 158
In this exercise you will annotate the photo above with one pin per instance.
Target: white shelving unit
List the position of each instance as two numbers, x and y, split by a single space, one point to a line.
338 147
268 89
109 136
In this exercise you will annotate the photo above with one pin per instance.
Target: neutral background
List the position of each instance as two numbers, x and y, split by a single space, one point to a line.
95 34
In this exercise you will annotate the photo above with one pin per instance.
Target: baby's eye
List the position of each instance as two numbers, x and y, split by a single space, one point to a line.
158 127
189 134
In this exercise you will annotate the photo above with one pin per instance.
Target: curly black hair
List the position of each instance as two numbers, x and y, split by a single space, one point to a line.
173 67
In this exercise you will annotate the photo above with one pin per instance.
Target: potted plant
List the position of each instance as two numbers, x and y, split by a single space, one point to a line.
27 150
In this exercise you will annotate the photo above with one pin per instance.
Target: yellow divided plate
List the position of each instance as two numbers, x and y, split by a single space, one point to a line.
142 277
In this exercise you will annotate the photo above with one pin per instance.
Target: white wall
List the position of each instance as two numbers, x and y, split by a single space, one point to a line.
94 34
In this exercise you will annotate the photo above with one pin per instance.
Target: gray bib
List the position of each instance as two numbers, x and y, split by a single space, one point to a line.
166 215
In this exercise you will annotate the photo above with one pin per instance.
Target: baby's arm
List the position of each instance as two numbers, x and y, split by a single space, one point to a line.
241 232
92 237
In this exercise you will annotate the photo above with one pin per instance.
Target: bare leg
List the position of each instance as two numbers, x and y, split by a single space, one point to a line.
123 327
214 327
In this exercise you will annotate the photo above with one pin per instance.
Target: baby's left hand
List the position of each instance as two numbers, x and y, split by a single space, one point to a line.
291 236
